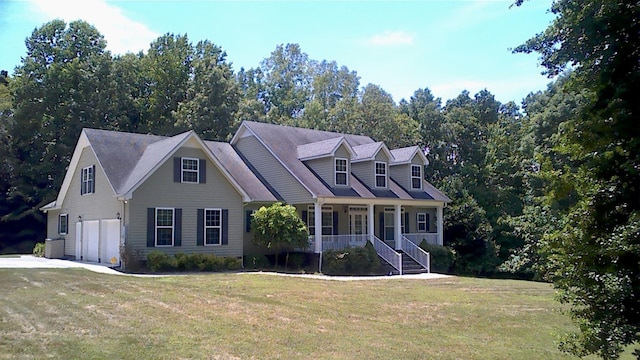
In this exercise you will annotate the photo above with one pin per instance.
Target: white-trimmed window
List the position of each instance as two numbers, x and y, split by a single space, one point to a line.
88 180
165 221
190 170
416 177
381 174
212 227
327 220
422 222
341 170
63 224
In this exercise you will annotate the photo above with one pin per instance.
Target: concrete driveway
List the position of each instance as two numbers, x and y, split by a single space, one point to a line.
32 262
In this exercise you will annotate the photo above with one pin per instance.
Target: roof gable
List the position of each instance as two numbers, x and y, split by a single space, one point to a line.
407 154
370 151
323 148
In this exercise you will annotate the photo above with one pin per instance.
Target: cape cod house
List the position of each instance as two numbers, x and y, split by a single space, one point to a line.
184 194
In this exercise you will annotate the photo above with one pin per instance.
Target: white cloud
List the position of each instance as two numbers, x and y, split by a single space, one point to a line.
122 33
390 38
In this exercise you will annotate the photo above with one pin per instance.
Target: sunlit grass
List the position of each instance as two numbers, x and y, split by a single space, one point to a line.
77 314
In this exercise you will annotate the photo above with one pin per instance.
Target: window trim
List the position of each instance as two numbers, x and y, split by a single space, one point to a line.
311 219
183 170
419 177
204 223
376 175
88 182
66 224
345 172
424 222
172 227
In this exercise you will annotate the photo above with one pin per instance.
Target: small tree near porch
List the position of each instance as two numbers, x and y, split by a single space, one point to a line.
280 228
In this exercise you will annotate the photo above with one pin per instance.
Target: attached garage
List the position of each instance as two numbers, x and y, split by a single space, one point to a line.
99 241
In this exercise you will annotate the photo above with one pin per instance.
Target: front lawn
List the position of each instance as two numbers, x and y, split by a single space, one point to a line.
77 314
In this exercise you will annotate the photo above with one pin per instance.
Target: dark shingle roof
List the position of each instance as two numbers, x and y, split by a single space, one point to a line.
289 143
127 158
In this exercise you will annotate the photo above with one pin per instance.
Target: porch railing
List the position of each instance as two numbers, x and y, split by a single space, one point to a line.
432 238
337 242
416 253
388 254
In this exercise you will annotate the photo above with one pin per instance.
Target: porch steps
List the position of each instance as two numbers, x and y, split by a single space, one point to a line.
410 266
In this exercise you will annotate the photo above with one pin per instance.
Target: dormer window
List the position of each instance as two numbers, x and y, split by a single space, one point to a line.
381 174
416 177
190 170
341 171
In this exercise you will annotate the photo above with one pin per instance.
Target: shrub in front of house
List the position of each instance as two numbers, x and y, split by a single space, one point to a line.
159 261
38 250
441 257
256 262
351 261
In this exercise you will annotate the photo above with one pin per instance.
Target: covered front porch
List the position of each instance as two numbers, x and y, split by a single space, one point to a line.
394 229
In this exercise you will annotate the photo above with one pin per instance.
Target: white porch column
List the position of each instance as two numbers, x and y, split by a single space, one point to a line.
439 225
371 222
317 218
397 226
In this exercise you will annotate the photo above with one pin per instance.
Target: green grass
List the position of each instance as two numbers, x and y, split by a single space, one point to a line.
77 314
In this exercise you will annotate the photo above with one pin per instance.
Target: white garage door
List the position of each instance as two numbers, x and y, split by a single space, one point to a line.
110 241
90 240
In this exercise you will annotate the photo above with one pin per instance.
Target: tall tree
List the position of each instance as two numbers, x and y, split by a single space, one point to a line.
287 78
212 96
595 250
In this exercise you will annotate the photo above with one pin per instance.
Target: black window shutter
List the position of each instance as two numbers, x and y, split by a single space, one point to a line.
66 223
177 236
382 225
202 168
225 226
151 227
59 220
428 222
93 182
200 229
407 229
248 220
177 169
305 215
81 183
335 223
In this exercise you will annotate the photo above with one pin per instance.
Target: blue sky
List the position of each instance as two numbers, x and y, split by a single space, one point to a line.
447 46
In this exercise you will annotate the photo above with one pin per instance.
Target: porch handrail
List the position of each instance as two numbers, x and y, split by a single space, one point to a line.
416 238
416 253
387 253
337 242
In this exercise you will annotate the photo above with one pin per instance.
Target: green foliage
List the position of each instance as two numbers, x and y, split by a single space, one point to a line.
279 227
159 261
351 261
441 258
296 260
38 249
593 248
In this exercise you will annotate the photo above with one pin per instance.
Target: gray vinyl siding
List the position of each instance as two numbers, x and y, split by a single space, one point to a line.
364 172
401 174
102 204
273 171
324 168
52 224
159 190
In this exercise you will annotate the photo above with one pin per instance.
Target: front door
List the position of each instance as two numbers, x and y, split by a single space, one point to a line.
358 219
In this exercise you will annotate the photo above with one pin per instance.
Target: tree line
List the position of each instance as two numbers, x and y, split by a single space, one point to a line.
544 189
